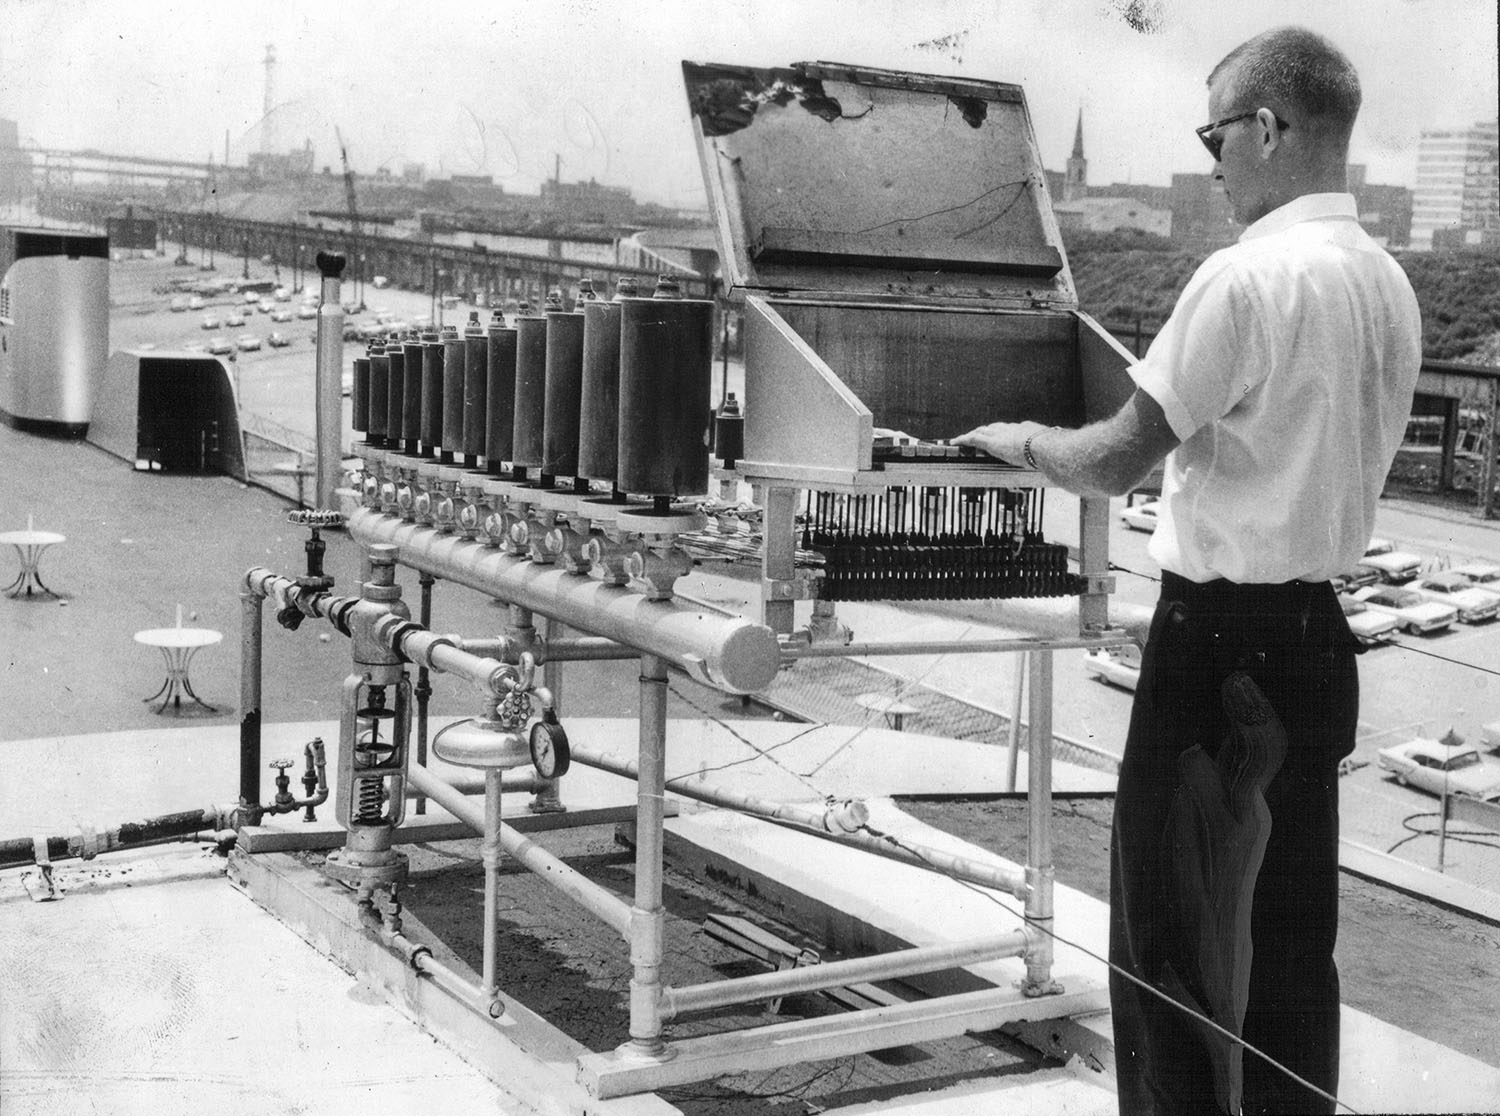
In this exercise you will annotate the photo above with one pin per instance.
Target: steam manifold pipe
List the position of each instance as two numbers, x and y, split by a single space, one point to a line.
734 654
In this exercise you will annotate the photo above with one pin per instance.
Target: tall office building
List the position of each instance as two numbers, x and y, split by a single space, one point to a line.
1457 199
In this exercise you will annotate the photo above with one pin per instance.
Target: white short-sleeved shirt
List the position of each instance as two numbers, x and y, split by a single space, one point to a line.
1287 370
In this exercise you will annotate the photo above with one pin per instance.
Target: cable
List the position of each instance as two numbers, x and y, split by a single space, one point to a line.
1467 836
1134 573
1444 658
950 209
1225 1032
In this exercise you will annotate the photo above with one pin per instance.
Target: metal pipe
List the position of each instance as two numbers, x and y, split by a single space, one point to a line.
949 646
466 781
834 974
601 902
735 654
250 679
839 824
406 638
1013 730
424 683
436 651
1039 872
575 649
648 918
88 842
420 958
490 853
329 405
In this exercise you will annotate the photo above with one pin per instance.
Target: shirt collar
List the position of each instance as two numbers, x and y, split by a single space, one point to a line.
1308 207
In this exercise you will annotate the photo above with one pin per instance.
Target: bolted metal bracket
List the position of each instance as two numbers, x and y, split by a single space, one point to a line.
790 589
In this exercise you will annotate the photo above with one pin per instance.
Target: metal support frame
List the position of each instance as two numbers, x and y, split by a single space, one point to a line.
649 1059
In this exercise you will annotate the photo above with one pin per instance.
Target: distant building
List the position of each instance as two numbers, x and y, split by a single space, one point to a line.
1384 211
1457 199
267 167
587 202
1201 215
15 164
1076 177
1080 208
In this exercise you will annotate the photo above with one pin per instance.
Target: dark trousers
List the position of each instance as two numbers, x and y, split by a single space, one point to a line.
1294 642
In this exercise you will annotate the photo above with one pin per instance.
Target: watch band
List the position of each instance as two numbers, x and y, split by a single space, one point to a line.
1026 451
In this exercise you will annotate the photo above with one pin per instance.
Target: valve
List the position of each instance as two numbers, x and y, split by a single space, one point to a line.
315 519
284 782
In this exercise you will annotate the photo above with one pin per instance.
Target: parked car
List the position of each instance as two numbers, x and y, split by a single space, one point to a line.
249 343
251 298
180 304
1446 766
1357 578
1141 516
220 345
380 282
277 340
210 321
233 318
1368 625
196 303
281 294
1394 566
1118 666
265 305
307 310
1480 573
1474 604
281 314
1412 612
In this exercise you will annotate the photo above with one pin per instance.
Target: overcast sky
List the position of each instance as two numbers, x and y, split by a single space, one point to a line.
503 88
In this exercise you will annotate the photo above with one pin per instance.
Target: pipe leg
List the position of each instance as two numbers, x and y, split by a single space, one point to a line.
250 677
491 854
1039 872
424 683
548 796
648 916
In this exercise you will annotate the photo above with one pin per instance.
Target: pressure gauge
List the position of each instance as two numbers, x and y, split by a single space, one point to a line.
549 747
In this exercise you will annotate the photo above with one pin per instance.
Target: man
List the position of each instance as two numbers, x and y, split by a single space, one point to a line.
1278 392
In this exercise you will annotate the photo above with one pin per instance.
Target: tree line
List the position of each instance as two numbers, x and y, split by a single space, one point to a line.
1124 275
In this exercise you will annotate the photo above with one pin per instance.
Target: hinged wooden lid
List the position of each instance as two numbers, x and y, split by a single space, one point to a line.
841 182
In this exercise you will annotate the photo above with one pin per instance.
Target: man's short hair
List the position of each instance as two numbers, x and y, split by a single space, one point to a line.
1296 70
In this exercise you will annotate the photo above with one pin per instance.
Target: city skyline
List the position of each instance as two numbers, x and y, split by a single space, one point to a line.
594 90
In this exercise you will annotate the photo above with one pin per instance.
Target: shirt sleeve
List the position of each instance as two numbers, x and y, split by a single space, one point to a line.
1206 358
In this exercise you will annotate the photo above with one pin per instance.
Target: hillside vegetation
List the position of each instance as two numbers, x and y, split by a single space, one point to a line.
1121 276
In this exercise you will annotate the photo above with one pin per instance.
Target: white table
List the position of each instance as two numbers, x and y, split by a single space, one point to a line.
178 646
29 545
896 711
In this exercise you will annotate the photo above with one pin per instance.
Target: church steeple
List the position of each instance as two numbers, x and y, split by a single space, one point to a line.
1076 180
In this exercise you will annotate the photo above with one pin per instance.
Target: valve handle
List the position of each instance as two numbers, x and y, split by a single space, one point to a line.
282 764
315 518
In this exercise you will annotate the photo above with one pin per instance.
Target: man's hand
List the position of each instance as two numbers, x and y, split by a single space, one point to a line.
1001 439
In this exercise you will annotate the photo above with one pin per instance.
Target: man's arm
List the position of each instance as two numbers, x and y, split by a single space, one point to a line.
1105 458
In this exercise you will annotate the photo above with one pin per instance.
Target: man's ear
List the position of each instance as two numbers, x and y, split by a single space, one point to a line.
1270 132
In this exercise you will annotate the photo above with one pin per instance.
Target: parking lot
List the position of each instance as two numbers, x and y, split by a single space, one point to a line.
1410 686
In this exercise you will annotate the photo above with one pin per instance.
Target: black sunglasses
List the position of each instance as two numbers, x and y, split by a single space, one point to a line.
1215 143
